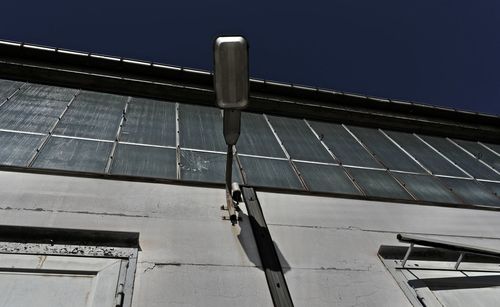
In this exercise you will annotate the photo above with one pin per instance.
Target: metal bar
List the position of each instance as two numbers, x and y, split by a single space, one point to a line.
240 167
177 142
229 172
22 132
485 146
261 157
267 251
464 248
407 255
81 138
147 145
459 260
203 150
117 137
488 180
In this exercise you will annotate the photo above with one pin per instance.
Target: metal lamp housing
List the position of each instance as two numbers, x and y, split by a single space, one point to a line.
231 79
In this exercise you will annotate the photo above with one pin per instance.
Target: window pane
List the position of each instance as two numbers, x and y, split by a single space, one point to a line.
425 155
471 192
93 115
201 128
35 109
426 187
343 145
326 178
206 166
299 140
465 161
492 186
145 161
393 157
149 122
74 154
481 153
257 138
7 88
17 149
270 173
378 183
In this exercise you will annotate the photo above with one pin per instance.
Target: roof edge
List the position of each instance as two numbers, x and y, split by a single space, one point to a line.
27 62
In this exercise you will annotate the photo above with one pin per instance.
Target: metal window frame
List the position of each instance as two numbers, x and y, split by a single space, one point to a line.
437 255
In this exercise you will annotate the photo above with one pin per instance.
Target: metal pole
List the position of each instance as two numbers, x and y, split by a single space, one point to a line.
229 172
459 247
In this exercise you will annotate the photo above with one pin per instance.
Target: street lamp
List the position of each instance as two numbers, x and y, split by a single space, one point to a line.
231 85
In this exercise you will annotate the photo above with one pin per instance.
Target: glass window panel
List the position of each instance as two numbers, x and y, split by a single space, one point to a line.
201 128
145 161
393 157
378 183
425 155
270 173
74 155
46 92
257 138
343 145
481 153
471 192
326 178
206 166
492 186
7 88
426 187
464 160
149 122
35 109
299 140
17 149
93 115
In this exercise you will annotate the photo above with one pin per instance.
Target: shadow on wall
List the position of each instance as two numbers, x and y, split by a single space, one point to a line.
247 241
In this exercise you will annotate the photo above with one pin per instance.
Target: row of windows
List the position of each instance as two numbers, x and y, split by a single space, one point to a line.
61 128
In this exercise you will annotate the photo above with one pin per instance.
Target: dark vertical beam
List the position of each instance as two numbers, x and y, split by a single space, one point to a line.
269 258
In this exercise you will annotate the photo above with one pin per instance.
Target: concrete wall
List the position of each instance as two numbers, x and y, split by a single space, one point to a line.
329 246
191 257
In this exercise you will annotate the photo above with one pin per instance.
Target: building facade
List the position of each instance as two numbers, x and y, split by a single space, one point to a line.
112 182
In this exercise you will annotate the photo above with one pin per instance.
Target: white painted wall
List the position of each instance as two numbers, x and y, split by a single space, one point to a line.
329 246
191 257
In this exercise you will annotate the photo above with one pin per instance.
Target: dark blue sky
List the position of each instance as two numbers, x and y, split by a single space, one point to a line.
432 51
